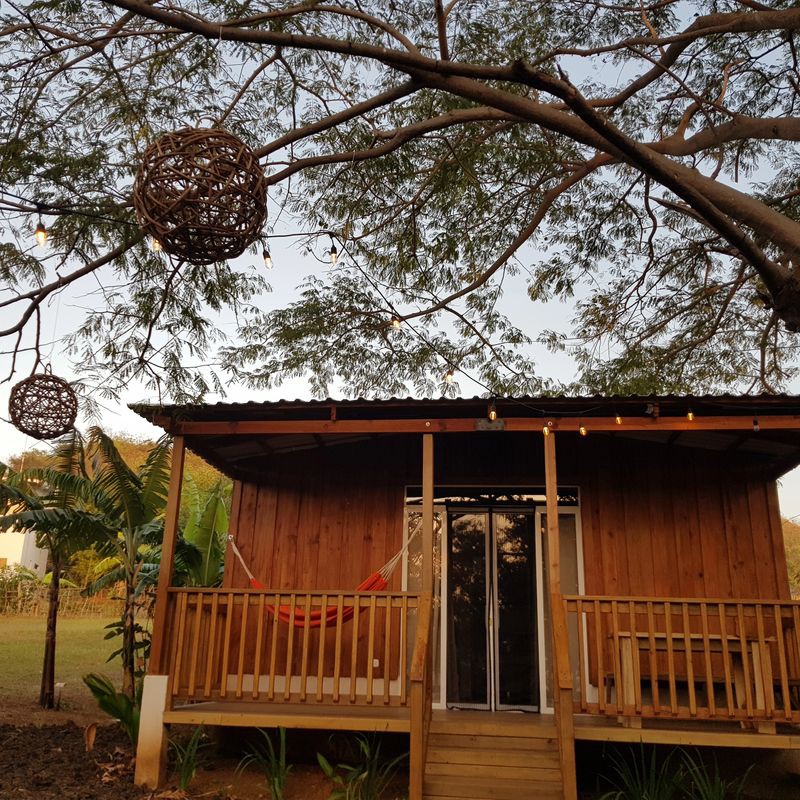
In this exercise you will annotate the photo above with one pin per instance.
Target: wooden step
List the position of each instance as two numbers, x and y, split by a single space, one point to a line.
485 756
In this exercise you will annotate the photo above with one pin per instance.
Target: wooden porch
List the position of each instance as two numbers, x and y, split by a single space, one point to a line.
621 668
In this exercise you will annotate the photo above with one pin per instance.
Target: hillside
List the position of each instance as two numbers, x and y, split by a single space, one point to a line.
791 538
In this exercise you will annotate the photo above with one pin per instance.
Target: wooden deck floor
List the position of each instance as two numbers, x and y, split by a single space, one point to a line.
293 715
482 723
691 734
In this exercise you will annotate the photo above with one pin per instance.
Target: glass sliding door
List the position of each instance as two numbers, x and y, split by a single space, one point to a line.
468 669
515 640
492 658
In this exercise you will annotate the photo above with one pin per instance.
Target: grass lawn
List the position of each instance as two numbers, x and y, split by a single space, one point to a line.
80 648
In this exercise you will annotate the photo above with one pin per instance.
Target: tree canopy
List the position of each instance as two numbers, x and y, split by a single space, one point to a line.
638 160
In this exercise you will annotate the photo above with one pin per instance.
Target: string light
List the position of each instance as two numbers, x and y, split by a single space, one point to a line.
582 430
492 411
690 415
267 258
40 233
618 419
546 430
449 376
396 322
155 245
756 426
333 253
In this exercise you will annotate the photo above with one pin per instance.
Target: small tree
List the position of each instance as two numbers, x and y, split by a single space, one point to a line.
45 502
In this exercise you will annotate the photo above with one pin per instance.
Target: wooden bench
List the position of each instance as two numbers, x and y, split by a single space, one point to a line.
759 664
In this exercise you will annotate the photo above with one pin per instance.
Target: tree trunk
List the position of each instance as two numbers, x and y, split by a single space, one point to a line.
47 691
129 642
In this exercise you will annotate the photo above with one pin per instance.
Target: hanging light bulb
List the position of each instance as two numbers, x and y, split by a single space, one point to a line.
582 430
492 414
449 376
756 426
396 322
618 419
40 233
333 253
546 430
267 258
155 246
690 415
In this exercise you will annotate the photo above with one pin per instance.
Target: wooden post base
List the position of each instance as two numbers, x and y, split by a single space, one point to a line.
151 749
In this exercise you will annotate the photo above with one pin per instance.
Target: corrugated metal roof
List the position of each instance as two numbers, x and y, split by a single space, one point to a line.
526 405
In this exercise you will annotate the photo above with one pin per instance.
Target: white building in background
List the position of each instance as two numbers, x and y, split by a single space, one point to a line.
20 548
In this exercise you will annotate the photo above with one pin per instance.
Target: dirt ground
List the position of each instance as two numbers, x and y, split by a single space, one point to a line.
43 756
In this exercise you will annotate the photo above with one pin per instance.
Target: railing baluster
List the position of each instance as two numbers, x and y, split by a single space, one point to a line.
781 648
180 644
636 677
403 652
371 646
243 639
726 658
601 658
287 688
745 666
337 655
653 658
323 624
354 650
304 660
619 688
687 643
581 654
673 692
198 618
764 661
226 645
259 646
273 653
710 699
212 644
387 648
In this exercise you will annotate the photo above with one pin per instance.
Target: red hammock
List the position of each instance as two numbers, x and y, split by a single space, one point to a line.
376 582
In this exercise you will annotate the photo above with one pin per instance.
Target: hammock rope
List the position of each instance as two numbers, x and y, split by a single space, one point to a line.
376 582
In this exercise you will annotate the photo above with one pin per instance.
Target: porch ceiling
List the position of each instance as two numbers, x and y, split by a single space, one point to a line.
241 455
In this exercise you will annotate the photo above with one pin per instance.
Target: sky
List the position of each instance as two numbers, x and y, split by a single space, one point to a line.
291 266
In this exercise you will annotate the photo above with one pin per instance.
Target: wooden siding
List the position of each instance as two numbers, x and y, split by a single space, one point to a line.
657 520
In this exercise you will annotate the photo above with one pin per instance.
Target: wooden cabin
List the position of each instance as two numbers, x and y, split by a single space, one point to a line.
555 569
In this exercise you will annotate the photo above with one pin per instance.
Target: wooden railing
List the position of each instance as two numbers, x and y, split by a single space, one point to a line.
244 645
685 658
421 675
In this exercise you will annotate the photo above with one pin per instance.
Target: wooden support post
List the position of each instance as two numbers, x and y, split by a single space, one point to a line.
158 664
427 512
562 675
151 746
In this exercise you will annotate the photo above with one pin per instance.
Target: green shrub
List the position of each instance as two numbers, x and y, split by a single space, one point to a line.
365 780
188 756
272 764
638 778
116 704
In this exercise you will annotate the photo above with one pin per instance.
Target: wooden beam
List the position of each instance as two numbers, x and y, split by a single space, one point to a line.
157 661
562 675
427 512
461 425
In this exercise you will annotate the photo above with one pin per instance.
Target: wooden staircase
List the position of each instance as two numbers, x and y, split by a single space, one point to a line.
476 755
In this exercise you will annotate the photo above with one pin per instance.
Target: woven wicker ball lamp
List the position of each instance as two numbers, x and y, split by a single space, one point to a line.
201 194
43 406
